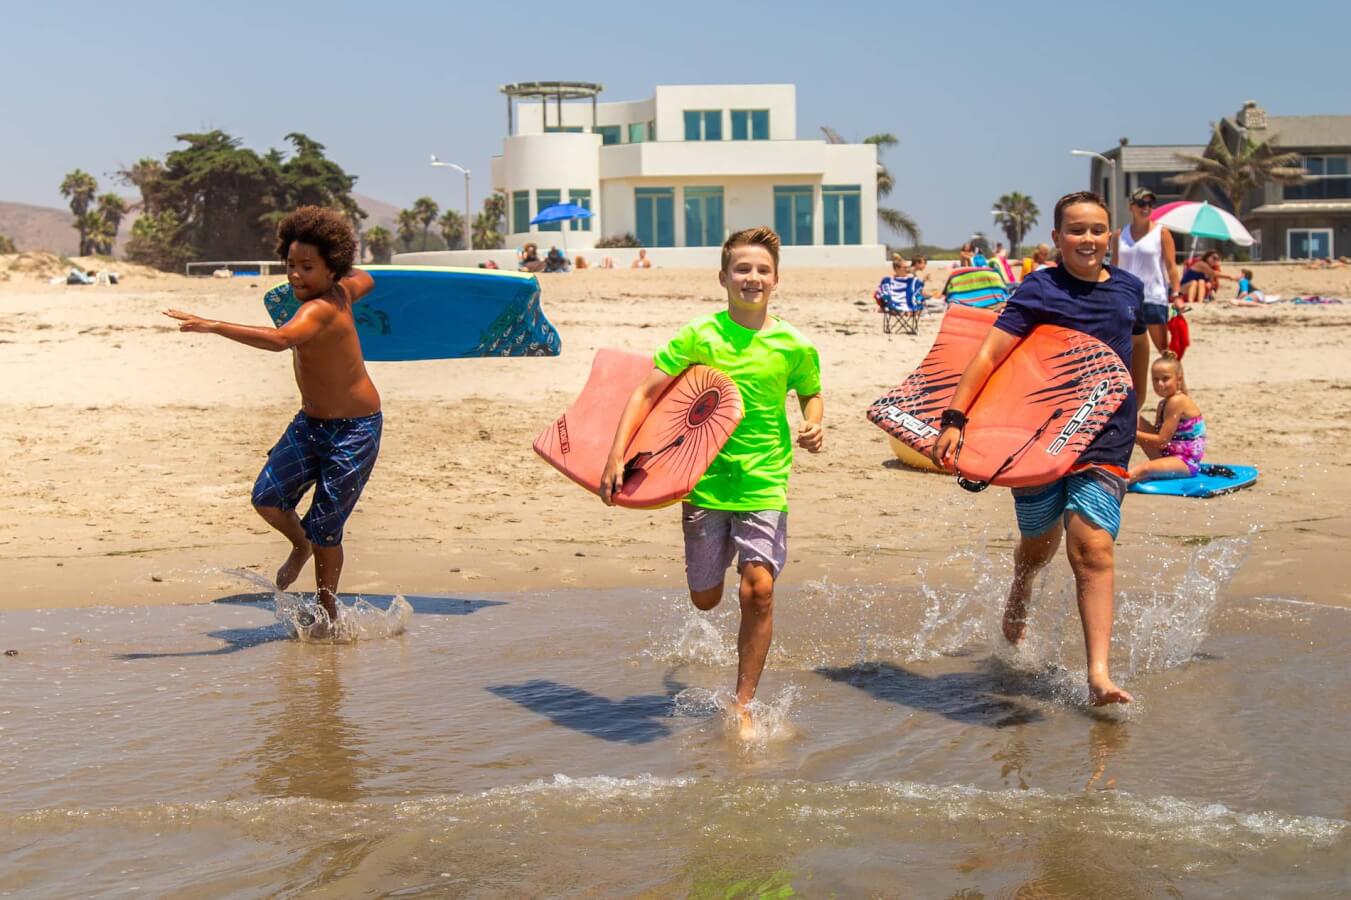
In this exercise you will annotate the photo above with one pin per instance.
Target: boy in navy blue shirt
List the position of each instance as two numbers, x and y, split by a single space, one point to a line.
1106 303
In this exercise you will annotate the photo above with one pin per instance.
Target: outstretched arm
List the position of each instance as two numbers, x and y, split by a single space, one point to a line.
305 324
639 405
996 348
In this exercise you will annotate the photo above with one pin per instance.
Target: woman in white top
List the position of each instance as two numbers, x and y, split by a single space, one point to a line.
1146 250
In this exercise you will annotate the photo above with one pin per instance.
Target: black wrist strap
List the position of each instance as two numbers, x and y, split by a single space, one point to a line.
953 418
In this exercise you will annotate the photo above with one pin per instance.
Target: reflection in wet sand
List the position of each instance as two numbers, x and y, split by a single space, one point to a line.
309 748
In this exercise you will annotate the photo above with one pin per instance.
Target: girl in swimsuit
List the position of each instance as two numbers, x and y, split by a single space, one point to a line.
1176 440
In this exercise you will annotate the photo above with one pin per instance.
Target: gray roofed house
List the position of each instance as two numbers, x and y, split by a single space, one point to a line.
1300 221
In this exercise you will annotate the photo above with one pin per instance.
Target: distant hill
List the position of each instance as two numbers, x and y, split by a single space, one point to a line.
39 228
49 228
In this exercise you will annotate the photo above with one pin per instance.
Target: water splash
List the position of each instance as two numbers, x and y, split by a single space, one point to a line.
306 620
772 719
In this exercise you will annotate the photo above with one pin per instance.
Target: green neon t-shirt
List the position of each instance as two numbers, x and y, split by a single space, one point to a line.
751 472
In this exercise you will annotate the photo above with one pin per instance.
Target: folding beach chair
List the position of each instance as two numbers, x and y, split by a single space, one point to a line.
901 302
978 287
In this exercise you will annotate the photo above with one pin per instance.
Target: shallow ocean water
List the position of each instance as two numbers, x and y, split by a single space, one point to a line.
572 743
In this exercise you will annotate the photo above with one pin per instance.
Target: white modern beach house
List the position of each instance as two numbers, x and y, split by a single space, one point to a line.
679 172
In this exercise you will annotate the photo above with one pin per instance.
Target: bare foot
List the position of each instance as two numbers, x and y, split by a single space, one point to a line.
329 601
1102 691
745 724
1015 620
290 569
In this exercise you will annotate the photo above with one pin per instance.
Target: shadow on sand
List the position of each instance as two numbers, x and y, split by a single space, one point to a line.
236 639
633 720
972 698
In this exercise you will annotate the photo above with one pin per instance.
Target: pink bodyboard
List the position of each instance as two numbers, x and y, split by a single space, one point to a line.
671 449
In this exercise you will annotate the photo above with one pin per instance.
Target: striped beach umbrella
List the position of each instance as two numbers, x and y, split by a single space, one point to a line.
1203 221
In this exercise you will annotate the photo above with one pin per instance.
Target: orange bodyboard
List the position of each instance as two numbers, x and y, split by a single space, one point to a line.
672 447
1042 406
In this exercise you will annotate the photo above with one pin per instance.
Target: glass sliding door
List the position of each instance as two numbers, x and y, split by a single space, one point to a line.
654 214
544 198
583 199
793 214
703 217
841 206
520 211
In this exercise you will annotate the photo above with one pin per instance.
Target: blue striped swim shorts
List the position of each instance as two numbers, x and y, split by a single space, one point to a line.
1093 492
336 456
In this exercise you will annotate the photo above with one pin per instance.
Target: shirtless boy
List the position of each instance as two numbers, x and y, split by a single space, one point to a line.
333 441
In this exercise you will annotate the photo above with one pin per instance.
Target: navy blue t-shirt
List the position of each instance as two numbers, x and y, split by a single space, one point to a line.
1112 311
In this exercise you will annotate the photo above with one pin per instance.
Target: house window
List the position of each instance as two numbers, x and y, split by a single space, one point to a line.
750 124
582 199
638 132
703 216
1329 179
543 200
1308 243
841 206
793 214
654 212
703 124
609 134
520 211
567 129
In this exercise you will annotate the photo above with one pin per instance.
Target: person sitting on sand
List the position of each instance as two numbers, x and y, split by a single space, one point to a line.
739 509
1040 259
1084 507
333 441
606 262
966 256
642 262
529 259
579 262
919 267
555 261
1248 292
1202 278
1175 441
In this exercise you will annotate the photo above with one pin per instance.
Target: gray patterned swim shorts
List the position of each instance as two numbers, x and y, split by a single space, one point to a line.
713 537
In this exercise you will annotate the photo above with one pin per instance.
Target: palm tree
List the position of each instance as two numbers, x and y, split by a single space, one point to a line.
425 212
407 226
111 210
1236 174
451 224
894 219
381 244
80 187
1016 213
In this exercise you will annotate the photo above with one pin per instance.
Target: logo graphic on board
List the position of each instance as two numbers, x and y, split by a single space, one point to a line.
1079 418
703 407
917 427
563 443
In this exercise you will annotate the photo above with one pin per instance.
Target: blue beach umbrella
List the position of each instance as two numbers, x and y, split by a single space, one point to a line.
562 212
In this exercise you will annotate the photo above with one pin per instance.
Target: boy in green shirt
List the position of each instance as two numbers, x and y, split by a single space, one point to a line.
740 506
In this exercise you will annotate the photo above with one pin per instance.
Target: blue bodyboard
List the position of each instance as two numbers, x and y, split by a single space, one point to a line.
1211 481
427 312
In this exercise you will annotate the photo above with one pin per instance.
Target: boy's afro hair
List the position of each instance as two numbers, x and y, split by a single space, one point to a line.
324 228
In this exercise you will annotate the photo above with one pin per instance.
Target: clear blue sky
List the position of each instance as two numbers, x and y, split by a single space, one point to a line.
985 101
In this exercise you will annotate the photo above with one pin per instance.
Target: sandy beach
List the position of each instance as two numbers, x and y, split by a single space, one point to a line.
132 448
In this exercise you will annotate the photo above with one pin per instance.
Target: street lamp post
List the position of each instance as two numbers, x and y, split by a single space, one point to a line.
468 242
1111 173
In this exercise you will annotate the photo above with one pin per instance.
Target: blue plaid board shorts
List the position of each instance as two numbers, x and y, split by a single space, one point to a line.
336 456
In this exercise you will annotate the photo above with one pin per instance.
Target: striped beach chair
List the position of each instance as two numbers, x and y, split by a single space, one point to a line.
901 302
978 287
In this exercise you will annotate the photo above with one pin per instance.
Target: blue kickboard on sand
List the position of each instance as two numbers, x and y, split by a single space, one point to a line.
1211 481
427 312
